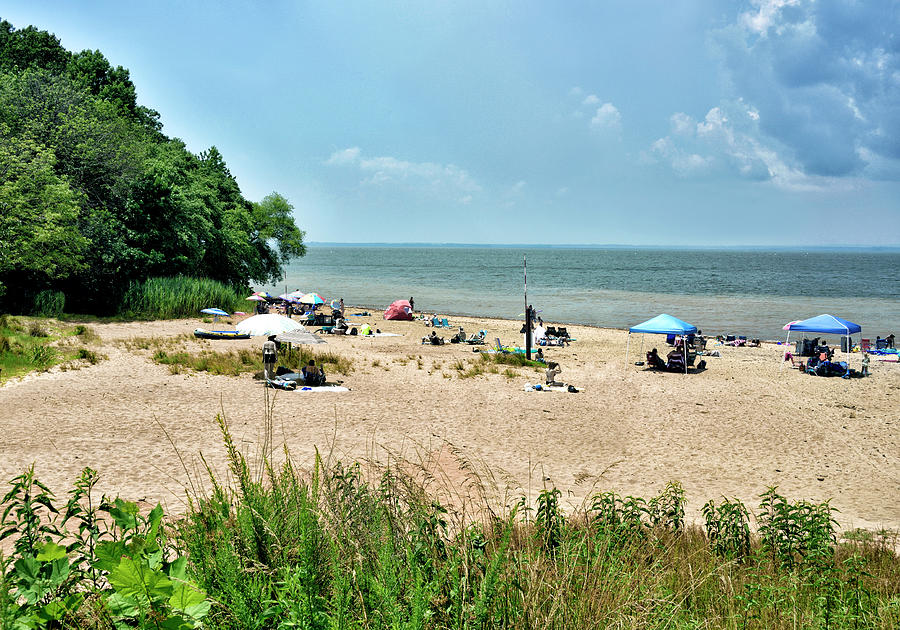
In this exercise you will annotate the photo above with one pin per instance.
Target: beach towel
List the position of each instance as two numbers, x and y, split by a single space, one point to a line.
322 388
538 387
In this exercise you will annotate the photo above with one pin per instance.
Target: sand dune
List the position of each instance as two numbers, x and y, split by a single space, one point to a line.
740 426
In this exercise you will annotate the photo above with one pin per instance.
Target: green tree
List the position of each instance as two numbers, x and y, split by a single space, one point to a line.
275 236
39 237
30 48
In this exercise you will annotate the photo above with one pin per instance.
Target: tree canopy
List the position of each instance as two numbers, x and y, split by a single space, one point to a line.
94 197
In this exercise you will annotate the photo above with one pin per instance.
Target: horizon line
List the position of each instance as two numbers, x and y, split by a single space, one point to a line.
599 246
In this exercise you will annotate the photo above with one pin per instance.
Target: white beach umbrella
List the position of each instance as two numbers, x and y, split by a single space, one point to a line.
269 324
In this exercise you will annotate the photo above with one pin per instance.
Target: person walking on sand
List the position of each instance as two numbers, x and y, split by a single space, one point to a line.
270 356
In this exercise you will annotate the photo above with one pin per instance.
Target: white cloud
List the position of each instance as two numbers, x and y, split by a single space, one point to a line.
344 156
820 81
682 124
591 100
767 12
606 117
387 170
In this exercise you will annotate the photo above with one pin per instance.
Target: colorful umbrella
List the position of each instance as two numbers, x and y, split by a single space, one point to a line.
256 298
288 297
215 312
263 294
312 298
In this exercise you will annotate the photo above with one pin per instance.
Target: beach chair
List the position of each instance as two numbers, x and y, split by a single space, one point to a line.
445 323
865 345
501 348
562 332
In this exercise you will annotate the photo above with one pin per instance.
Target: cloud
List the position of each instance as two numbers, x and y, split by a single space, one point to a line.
344 156
822 79
385 170
814 97
590 100
726 141
606 117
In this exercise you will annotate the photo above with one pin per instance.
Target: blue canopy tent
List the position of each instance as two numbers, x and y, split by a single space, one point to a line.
662 325
826 324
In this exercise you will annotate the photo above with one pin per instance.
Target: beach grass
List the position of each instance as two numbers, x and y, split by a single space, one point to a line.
29 344
236 362
271 545
179 296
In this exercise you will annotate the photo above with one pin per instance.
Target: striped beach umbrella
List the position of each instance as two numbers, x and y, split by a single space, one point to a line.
312 298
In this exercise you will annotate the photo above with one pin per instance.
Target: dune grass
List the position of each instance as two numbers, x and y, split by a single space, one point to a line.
28 344
179 296
270 545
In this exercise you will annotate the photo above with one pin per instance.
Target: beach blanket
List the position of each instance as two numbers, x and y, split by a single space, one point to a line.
322 388
380 334
537 387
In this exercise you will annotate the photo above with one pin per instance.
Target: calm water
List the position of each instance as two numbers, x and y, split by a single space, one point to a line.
741 292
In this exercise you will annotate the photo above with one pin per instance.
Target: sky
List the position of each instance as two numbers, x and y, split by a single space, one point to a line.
689 123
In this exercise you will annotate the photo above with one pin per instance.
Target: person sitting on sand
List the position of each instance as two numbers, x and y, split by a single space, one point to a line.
459 337
553 370
313 374
654 360
434 340
675 359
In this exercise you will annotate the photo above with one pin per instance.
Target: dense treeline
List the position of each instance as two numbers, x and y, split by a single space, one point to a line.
93 197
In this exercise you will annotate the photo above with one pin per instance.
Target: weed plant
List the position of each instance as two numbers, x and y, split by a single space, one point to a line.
352 546
179 296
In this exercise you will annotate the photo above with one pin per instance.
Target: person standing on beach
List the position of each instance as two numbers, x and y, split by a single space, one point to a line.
865 364
890 340
412 304
270 356
342 307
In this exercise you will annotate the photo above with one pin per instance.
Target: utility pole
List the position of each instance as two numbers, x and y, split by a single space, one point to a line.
527 310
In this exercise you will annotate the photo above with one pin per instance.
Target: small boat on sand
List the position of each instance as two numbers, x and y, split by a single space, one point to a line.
202 333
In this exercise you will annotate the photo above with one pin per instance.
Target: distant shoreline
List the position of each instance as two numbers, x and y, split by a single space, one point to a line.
888 249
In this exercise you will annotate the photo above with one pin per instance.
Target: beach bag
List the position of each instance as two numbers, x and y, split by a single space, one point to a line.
572 390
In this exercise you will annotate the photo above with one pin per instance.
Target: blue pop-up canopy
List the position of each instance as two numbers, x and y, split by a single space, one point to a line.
664 325
825 323
828 324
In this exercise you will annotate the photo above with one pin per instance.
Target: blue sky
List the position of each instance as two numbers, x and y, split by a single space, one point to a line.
697 122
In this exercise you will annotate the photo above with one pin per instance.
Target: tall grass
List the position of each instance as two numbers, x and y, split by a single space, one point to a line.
352 546
179 296
49 303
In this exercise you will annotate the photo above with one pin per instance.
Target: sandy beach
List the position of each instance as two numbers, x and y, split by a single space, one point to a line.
734 429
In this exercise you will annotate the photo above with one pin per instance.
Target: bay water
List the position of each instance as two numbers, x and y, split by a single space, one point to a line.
746 292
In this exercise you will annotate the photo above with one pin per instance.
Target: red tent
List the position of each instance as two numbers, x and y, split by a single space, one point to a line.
399 310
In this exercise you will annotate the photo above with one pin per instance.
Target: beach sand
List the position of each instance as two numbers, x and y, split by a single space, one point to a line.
732 430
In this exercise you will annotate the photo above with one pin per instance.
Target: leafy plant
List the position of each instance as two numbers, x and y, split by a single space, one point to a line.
728 528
